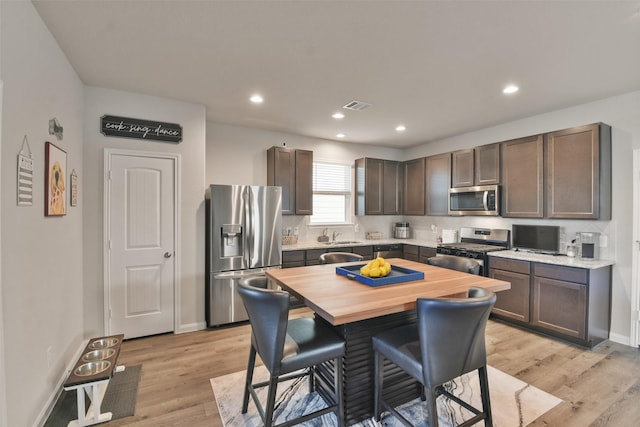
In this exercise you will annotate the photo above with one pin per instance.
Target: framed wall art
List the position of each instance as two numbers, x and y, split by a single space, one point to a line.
54 180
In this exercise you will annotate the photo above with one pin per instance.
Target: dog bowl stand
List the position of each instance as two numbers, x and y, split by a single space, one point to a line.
94 386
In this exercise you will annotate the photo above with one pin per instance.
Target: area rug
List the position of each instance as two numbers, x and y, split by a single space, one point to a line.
119 399
514 403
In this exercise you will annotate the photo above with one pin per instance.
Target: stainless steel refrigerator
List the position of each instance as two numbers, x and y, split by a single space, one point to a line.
244 239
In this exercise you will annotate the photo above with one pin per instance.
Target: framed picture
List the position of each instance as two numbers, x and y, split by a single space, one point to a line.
54 180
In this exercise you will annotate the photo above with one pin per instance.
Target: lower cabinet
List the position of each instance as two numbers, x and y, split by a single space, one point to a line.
426 253
418 253
292 259
567 302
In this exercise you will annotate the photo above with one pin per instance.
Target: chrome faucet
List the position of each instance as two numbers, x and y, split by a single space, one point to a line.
334 235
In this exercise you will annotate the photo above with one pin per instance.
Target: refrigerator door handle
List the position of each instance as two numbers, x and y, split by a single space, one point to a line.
248 212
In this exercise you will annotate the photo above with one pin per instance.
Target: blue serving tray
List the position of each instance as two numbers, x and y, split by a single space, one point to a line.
396 275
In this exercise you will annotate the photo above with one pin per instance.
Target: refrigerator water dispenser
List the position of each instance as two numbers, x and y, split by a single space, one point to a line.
231 242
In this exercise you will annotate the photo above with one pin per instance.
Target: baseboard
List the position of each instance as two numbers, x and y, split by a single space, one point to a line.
51 402
191 327
620 339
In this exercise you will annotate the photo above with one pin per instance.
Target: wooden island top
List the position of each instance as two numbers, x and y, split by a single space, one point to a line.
340 300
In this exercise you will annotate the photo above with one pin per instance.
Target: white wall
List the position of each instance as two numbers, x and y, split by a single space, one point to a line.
191 117
42 257
621 113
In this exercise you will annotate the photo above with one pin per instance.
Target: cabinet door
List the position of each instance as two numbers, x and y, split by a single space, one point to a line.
292 259
411 252
303 182
438 170
373 189
365 251
574 173
462 170
426 253
281 172
391 188
413 186
522 178
512 303
487 164
560 306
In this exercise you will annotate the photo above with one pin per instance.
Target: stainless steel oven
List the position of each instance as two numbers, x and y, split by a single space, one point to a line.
481 200
475 243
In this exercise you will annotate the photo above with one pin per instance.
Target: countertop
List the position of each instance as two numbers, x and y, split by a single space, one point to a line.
318 245
552 259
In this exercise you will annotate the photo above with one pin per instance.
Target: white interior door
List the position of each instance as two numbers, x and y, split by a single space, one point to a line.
140 244
635 282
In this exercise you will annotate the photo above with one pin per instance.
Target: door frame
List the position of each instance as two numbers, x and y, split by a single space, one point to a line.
176 158
634 337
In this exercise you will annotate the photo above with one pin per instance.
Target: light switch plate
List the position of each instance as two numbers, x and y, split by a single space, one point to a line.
604 240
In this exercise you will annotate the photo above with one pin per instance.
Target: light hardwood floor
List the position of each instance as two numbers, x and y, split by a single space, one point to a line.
599 387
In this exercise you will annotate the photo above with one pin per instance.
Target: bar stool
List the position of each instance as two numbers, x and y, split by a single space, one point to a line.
335 257
466 265
287 347
447 342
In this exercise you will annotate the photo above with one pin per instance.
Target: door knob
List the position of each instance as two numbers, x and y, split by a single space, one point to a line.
167 254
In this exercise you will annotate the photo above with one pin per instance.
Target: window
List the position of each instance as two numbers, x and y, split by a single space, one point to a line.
331 193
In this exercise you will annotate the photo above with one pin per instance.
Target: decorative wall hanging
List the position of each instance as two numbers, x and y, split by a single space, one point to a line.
127 127
55 128
25 175
54 177
73 201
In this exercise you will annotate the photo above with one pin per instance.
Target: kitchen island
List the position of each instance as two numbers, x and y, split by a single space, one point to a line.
358 311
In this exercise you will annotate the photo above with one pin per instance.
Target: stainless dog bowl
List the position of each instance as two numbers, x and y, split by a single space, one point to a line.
95 355
92 368
103 343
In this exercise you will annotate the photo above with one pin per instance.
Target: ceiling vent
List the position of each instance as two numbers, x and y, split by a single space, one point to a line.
356 105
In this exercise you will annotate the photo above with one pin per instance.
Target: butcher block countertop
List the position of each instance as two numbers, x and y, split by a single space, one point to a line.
340 300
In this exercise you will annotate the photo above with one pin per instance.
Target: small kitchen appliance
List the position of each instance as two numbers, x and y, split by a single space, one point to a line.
589 244
476 243
401 230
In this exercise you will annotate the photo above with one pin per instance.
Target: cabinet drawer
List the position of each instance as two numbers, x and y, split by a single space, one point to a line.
292 256
410 250
517 266
570 274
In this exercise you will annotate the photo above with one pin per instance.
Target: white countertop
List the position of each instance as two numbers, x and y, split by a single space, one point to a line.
552 259
318 245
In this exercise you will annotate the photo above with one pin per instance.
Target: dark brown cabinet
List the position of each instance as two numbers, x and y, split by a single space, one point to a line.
411 252
414 187
487 164
438 181
293 259
578 172
426 253
522 177
293 171
476 166
378 187
567 302
513 303
462 170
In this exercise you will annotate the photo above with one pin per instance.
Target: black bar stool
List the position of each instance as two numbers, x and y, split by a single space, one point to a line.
287 347
447 342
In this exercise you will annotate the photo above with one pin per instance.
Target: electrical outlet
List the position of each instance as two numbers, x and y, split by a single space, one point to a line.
604 241
356 227
295 231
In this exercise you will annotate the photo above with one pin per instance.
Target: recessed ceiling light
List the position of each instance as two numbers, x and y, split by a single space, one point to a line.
340 135
510 89
256 99
337 116
401 128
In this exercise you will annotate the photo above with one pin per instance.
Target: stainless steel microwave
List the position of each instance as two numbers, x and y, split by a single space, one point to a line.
478 200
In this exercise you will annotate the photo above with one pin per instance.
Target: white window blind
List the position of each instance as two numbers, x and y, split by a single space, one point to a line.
331 193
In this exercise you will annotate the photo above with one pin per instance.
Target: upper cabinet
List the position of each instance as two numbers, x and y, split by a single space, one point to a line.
438 174
522 178
476 166
414 187
293 171
578 172
563 174
378 187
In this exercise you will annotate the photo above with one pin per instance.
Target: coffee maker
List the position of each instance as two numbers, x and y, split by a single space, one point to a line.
589 245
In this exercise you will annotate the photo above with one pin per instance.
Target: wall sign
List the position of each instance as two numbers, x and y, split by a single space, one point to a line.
127 127
25 174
